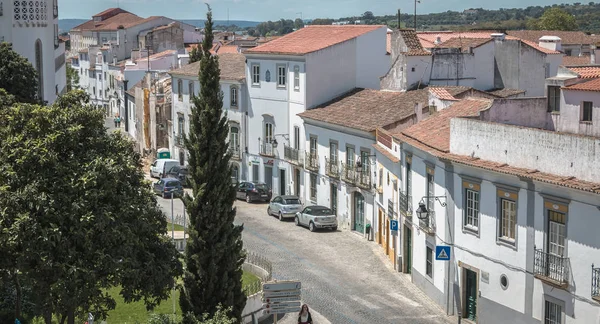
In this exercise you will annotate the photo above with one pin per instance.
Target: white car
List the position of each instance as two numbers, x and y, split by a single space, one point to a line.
284 207
317 217
160 167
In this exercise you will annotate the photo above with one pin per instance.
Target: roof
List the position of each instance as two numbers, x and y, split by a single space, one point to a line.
386 153
158 55
464 43
506 93
227 49
536 46
414 47
442 93
125 19
434 131
576 60
587 72
131 90
312 38
567 37
109 10
388 43
232 65
366 110
591 85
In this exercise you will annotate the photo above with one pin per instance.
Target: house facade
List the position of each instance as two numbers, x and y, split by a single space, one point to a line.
32 30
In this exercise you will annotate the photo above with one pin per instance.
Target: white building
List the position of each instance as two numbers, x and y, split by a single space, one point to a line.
486 170
235 105
297 72
32 29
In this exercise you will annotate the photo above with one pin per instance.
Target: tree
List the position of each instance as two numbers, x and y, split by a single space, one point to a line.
556 19
17 75
72 78
213 255
368 15
196 53
298 23
76 214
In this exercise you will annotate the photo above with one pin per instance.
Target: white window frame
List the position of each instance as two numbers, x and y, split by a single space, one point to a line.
191 90
296 78
471 209
297 137
313 186
583 110
233 96
281 76
255 74
429 260
508 223
269 132
179 90
553 310
234 137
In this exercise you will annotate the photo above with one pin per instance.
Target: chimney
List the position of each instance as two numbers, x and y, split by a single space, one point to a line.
553 43
594 54
135 54
497 36
438 40
418 111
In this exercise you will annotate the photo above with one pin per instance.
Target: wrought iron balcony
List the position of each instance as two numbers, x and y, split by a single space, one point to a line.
293 155
363 179
179 140
405 204
596 283
332 168
428 224
348 173
267 149
234 150
312 161
551 268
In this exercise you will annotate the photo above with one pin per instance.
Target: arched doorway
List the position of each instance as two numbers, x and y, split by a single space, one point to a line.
359 212
39 66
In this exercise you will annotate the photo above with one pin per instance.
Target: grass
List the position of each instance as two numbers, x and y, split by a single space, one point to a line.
136 312
177 227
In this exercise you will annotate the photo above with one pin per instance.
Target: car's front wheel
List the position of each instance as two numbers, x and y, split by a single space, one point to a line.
269 211
297 221
311 227
280 217
333 229
248 199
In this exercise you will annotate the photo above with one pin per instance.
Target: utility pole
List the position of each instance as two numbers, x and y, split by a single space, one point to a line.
399 23
148 57
416 1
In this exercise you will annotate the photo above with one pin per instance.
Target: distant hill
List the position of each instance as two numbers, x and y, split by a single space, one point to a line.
64 25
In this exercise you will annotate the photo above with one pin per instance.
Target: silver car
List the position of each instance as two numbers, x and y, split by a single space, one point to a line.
284 207
317 217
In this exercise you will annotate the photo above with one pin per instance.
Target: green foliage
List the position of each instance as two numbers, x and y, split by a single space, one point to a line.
213 255
196 53
72 78
164 319
17 75
64 225
555 19
280 27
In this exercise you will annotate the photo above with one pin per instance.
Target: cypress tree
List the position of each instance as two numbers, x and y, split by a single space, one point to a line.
214 254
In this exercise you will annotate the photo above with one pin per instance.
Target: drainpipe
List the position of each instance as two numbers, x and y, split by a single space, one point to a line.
125 101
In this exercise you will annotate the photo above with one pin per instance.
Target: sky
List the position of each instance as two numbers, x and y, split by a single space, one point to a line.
262 10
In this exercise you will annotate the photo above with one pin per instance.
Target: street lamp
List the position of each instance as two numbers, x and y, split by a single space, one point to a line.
422 212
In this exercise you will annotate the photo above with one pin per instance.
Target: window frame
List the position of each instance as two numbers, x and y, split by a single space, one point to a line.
559 205
334 154
191 90
180 124
255 73
510 194
471 185
350 157
296 137
281 77
313 187
549 299
584 118
268 136
233 96
179 90
429 261
553 95
296 78
234 139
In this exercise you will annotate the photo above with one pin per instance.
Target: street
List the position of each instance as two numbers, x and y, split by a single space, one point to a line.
345 278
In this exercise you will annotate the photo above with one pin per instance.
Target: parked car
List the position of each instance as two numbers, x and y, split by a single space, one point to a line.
284 207
167 186
317 217
160 167
179 172
252 191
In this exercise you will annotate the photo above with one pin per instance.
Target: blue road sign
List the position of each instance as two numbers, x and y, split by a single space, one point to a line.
393 225
442 253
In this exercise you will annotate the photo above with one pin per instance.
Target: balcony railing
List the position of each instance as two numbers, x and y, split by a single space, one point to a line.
348 173
551 268
293 155
352 175
332 168
596 283
428 224
179 140
267 149
405 204
312 161
363 179
234 151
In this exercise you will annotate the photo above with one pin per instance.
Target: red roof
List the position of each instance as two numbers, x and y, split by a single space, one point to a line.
442 93
124 19
313 38
576 60
228 49
592 85
587 72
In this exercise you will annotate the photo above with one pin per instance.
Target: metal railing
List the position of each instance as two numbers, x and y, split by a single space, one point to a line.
267 149
293 155
348 173
332 168
312 161
553 267
428 224
363 179
179 140
405 204
595 282
234 151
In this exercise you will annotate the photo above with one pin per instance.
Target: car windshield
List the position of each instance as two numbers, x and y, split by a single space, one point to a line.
292 201
173 184
261 186
321 211
183 171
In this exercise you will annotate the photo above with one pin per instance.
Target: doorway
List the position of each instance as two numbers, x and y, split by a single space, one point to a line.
380 228
359 213
297 182
387 237
470 294
333 189
269 176
407 250
255 172
282 183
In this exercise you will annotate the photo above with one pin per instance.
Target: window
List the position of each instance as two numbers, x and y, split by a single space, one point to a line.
554 99
556 233
586 111
313 145
180 90
430 191
553 313
255 74
568 52
180 124
105 76
409 182
471 209
313 186
281 76
296 78
350 156
333 152
429 263
268 132
192 93
381 177
296 137
234 139
234 96
364 159
235 173
104 39
508 219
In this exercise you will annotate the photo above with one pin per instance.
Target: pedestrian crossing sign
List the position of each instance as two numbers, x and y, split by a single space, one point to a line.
442 253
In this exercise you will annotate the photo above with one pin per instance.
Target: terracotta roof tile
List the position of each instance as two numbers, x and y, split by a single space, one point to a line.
434 131
506 93
442 93
228 49
591 85
313 38
428 39
587 72
386 153
233 67
464 43
366 110
125 19
414 47
158 55
576 60
567 37
109 10
539 48
455 90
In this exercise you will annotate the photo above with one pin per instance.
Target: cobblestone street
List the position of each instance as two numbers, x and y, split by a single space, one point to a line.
345 278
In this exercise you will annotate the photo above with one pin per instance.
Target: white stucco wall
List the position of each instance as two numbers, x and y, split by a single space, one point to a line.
372 61
422 70
569 119
483 66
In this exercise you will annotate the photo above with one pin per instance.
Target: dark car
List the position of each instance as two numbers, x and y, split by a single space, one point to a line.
166 186
179 172
253 191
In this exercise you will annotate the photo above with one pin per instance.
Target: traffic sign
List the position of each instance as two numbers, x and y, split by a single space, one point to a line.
282 305
282 285
442 253
284 293
282 310
280 299
393 225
